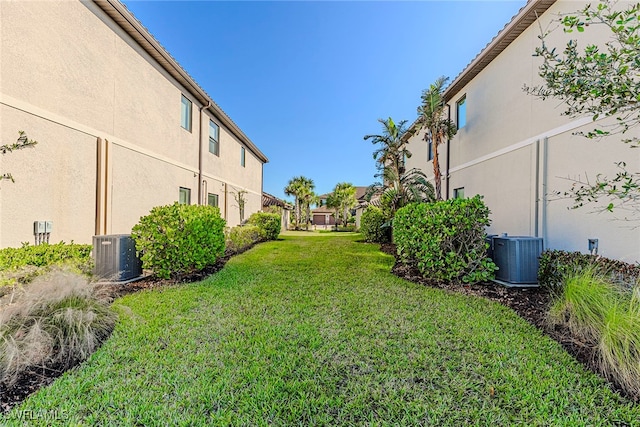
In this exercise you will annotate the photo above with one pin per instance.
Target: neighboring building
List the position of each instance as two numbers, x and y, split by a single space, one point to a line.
325 217
272 203
517 150
121 126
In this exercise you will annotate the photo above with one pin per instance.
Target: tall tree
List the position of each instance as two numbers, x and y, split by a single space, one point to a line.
343 199
602 81
398 186
438 127
300 188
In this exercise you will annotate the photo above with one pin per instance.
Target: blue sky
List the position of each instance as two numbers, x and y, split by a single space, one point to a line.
307 80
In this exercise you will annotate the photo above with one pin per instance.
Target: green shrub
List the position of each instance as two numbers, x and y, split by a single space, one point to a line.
269 223
44 255
179 239
445 240
601 315
555 265
371 225
58 322
241 238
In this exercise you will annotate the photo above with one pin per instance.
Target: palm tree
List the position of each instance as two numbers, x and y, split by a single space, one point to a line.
398 187
299 187
431 117
345 194
393 148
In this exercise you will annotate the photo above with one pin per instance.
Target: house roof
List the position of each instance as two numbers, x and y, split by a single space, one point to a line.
518 24
271 200
526 16
134 28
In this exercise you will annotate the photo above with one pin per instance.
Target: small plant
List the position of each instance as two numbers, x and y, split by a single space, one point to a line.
22 142
179 239
58 322
269 223
241 238
445 240
371 225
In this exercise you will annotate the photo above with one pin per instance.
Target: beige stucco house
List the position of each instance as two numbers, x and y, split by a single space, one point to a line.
121 127
517 150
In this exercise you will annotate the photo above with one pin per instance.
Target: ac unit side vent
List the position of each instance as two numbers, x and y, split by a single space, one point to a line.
517 258
115 257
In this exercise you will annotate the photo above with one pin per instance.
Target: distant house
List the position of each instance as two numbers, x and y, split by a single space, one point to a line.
516 150
270 201
121 126
324 217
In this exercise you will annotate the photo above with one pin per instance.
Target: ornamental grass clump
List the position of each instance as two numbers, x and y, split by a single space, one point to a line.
58 322
605 317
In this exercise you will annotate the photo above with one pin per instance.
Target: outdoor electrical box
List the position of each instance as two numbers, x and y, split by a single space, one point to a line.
115 257
38 227
48 226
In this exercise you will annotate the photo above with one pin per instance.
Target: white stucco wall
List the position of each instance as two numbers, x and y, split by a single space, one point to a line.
69 76
500 152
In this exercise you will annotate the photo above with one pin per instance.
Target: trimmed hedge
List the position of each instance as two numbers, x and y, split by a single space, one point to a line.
179 239
556 265
47 254
445 240
371 225
242 237
269 223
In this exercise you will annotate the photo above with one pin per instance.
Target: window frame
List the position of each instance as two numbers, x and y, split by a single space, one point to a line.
462 102
217 200
187 192
186 113
458 193
214 143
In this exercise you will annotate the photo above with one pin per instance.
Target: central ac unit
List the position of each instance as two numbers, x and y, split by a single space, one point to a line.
517 258
115 257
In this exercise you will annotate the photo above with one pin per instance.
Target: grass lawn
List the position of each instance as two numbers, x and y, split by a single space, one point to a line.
314 330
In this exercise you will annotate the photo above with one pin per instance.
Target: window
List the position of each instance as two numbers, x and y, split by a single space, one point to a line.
212 200
185 113
185 196
214 138
461 112
242 155
430 150
458 193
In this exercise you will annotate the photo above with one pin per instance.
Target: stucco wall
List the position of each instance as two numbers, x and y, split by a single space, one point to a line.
54 181
69 76
501 152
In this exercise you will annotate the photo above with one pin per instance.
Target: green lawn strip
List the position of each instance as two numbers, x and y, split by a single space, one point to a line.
315 330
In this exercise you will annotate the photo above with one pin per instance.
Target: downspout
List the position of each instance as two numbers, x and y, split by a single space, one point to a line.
537 192
446 176
545 149
99 182
200 151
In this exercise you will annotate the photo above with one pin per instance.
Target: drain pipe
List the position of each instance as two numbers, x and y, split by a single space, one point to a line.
200 196
446 176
